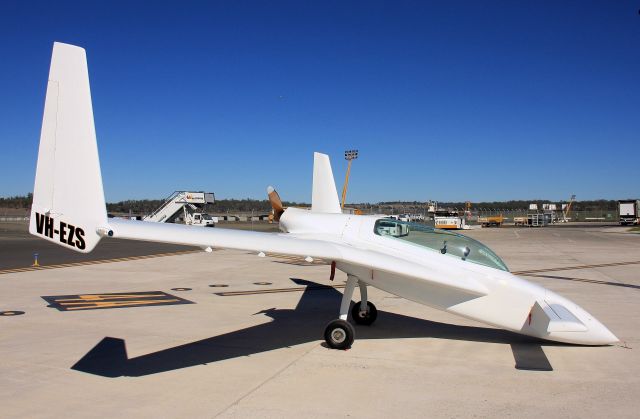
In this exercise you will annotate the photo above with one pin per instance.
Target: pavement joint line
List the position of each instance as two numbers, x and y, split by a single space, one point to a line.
278 290
590 281
569 268
267 380
94 262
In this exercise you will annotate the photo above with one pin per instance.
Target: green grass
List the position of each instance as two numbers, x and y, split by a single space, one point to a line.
635 229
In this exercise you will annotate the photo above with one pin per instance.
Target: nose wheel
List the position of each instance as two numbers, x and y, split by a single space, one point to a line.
339 334
364 317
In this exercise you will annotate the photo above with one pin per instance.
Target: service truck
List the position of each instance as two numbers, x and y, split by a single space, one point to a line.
199 219
491 221
449 220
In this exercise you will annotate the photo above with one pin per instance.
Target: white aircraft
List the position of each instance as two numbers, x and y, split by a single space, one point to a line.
433 267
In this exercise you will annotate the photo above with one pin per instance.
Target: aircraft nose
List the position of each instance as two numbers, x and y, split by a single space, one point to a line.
595 334
576 325
600 335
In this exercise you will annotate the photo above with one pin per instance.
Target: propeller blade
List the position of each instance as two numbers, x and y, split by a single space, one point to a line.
276 203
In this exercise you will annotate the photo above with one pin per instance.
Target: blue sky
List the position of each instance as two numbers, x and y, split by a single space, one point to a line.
448 101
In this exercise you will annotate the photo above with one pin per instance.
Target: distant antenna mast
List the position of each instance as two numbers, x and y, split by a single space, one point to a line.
349 155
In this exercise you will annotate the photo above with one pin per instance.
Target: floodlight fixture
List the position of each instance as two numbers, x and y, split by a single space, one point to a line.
351 155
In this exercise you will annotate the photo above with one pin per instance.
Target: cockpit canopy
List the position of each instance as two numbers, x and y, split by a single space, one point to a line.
445 242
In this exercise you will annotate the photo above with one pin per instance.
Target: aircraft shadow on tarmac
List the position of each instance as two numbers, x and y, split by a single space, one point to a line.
305 323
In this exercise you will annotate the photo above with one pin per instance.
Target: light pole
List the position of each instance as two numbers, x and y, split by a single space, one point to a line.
349 155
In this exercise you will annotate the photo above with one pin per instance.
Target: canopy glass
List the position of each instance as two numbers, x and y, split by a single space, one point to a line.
445 242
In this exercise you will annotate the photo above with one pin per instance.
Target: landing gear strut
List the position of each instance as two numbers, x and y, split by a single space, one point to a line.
340 334
364 312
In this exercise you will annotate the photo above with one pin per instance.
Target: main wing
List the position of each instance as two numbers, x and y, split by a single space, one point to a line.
289 244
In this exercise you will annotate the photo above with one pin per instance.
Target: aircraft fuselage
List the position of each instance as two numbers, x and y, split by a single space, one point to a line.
498 298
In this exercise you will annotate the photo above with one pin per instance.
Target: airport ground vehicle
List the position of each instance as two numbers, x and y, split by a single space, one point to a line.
200 219
491 221
434 267
449 220
187 206
629 212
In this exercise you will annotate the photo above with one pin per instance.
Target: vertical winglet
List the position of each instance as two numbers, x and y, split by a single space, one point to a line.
325 196
68 199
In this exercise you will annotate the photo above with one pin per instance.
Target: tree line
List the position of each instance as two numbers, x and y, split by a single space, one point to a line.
590 205
19 202
146 206
221 206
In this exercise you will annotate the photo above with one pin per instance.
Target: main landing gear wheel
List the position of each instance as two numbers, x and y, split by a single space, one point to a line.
339 334
365 318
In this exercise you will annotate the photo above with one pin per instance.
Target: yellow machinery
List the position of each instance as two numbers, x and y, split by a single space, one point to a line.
494 220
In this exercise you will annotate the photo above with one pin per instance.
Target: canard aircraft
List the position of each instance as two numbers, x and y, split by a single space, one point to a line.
437 268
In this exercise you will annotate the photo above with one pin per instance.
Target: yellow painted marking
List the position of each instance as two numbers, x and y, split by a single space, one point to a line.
297 259
102 297
112 300
110 304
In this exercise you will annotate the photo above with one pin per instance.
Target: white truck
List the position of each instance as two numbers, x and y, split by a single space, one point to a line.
629 212
199 219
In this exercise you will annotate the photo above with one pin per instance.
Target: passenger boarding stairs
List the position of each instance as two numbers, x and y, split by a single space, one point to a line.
176 203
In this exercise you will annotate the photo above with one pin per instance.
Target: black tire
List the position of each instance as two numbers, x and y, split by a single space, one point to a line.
367 318
339 334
